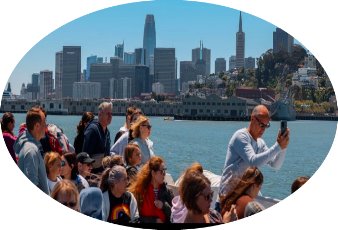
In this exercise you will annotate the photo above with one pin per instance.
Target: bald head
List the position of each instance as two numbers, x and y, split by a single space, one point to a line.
260 111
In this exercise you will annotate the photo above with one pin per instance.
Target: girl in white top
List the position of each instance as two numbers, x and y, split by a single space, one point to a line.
53 168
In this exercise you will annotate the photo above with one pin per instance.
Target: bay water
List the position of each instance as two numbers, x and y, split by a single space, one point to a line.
181 143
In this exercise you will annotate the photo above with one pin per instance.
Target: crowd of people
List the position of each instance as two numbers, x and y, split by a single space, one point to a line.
124 182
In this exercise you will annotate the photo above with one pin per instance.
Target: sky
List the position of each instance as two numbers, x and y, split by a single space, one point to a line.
180 25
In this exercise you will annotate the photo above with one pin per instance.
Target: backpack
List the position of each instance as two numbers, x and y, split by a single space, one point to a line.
57 140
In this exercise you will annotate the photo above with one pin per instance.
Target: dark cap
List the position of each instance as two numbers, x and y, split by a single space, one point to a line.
84 158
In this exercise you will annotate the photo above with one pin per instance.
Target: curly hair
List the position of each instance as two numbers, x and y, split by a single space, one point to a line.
143 179
251 176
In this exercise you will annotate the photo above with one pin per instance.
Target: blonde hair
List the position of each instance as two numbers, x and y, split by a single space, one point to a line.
50 159
135 127
67 187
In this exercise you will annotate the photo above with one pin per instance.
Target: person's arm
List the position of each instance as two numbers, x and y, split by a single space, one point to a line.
105 206
242 145
151 148
134 215
119 145
241 204
167 203
89 141
278 160
31 165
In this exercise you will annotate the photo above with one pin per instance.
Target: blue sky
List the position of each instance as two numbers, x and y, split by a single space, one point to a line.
178 24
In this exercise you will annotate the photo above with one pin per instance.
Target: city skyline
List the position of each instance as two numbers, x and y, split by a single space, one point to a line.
217 31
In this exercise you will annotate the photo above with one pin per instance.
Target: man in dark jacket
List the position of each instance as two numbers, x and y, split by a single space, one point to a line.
97 136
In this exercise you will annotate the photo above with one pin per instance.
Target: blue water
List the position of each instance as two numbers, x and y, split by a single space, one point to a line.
181 143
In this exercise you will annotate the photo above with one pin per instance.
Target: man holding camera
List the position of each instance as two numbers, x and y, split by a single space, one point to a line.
246 148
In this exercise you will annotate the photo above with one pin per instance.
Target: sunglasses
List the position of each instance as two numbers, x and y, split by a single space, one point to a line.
63 163
162 170
207 197
261 124
148 126
69 204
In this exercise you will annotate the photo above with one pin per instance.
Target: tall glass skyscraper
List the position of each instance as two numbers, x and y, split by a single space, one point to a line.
71 69
149 41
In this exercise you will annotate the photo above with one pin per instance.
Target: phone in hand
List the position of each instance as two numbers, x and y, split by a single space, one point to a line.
283 126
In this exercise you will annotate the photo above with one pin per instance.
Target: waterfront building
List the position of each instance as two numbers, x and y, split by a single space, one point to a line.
129 58
240 44
46 84
220 65
165 69
140 57
58 76
149 41
282 41
250 63
119 50
71 69
232 63
90 60
215 106
201 59
86 90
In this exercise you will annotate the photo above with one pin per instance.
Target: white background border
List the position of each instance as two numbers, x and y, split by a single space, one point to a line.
25 23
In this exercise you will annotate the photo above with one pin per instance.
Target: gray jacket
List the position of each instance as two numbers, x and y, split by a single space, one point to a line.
30 160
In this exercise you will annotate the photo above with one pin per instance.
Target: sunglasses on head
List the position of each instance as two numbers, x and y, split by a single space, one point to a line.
261 124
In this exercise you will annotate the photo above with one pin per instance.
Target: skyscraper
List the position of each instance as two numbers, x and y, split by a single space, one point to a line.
71 69
250 63
232 62
165 69
129 58
201 60
90 60
58 75
46 84
140 58
149 41
119 50
220 65
282 41
240 44
35 86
